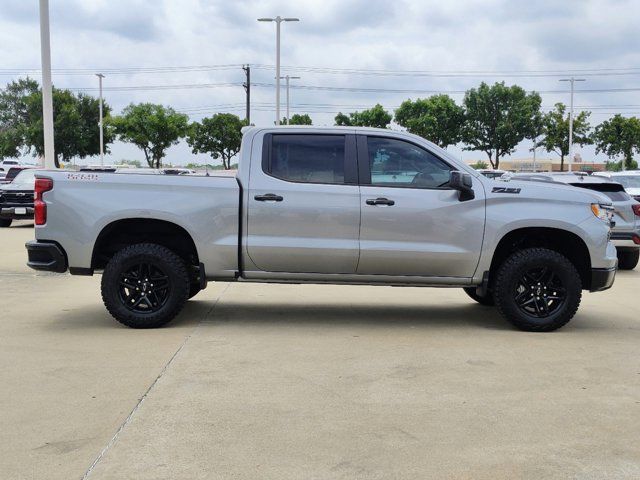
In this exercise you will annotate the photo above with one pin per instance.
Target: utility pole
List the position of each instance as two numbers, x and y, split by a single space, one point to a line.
278 21
571 80
47 89
100 77
247 89
287 78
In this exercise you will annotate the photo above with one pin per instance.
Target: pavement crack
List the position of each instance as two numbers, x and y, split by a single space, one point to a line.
166 366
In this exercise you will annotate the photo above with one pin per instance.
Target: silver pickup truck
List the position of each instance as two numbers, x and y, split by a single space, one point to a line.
336 205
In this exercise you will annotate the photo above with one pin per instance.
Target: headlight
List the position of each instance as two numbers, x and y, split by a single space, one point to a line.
603 212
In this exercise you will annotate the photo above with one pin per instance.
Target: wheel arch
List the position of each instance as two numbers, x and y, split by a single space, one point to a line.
124 232
562 241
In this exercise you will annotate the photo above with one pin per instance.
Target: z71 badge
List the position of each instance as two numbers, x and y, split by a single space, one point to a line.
505 190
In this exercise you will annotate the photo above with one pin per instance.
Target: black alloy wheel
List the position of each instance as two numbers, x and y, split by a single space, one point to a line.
144 288
539 292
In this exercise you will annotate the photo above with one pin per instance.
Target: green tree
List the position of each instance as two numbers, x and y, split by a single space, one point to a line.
436 118
219 136
133 163
555 136
14 115
298 119
619 136
480 165
152 128
374 117
75 125
497 118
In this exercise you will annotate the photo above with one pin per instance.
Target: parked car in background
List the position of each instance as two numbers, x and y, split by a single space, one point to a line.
341 205
490 173
630 180
625 234
178 171
13 172
16 198
5 165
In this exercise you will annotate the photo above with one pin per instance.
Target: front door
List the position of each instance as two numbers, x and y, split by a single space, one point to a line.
304 205
412 224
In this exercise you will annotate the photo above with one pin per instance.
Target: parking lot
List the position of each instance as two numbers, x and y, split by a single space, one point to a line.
311 382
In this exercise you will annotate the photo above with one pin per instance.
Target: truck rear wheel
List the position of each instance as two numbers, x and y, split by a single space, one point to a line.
628 259
486 300
145 285
537 290
5 222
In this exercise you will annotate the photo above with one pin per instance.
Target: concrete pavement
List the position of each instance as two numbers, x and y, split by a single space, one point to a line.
279 382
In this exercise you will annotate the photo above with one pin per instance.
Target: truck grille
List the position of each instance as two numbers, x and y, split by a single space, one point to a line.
17 197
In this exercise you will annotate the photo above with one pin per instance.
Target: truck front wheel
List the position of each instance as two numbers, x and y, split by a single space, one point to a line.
145 285
537 290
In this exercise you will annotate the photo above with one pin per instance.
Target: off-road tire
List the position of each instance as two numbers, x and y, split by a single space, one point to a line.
167 262
509 276
5 222
628 259
486 300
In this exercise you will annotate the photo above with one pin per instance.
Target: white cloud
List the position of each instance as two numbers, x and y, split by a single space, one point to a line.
401 35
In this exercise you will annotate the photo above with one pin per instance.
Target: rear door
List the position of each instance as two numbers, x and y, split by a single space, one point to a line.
411 223
304 204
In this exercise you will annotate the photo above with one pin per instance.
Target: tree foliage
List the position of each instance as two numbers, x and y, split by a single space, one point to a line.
376 116
555 137
480 165
75 122
298 119
76 131
14 115
498 117
219 136
436 118
619 136
152 128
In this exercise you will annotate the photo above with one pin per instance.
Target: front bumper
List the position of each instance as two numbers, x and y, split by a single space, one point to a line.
16 212
602 278
625 239
48 256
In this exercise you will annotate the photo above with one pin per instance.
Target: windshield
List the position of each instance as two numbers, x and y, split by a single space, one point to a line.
627 181
25 178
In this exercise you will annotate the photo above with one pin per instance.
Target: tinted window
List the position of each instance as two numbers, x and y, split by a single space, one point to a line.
614 191
308 158
397 163
628 181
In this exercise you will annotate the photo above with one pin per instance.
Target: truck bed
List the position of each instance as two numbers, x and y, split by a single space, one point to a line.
83 204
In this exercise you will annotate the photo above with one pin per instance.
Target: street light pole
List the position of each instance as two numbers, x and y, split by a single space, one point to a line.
287 78
278 21
571 80
100 77
47 89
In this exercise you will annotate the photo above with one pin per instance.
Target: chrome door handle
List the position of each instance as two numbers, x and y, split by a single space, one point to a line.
269 197
380 201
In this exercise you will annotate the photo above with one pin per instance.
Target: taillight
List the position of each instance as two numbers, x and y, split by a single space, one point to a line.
39 207
636 209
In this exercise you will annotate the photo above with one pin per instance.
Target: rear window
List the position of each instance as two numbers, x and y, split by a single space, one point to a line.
614 191
627 181
308 158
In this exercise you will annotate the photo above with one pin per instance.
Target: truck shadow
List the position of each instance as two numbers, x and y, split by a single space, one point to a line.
247 313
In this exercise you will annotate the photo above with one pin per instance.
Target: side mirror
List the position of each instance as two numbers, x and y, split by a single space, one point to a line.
462 182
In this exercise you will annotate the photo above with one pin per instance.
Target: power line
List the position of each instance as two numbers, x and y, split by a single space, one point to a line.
336 71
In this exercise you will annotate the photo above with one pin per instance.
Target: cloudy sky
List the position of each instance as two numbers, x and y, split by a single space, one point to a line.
350 54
